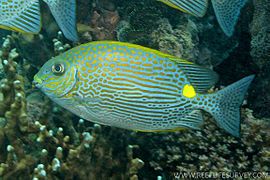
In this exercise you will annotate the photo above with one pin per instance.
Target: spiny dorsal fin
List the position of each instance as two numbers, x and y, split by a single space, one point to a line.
193 120
20 15
227 13
64 12
200 77
193 7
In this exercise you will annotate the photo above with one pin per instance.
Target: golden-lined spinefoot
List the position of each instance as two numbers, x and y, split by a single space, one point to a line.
133 87
227 11
24 16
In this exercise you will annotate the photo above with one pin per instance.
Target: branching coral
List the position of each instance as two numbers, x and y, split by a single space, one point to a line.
13 104
209 150
36 148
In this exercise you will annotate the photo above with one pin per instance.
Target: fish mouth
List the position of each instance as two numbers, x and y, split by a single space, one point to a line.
37 82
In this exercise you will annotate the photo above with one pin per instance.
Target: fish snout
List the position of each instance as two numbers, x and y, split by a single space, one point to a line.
37 82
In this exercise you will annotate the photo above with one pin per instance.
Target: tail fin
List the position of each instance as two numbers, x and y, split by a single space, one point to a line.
227 13
64 12
229 100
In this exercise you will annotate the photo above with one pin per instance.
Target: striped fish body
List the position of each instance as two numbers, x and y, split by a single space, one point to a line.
14 14
227 11
130 86
24 16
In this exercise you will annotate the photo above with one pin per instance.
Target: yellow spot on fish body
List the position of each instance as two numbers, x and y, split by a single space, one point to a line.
189 91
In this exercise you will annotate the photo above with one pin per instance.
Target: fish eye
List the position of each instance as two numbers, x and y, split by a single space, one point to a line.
58 69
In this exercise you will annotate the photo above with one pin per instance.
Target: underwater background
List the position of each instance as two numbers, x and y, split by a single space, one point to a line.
41 140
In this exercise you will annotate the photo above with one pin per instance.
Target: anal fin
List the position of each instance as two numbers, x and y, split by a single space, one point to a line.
193 120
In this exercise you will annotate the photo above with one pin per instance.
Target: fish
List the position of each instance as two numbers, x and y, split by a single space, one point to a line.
24 16
137 88
227 11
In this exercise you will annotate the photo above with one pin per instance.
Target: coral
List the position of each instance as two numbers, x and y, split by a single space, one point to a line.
260 32
260 52
59 45
104 20
148 23
24 44
99 22
34 146
176 41
13 103
58 158
138 20
209 150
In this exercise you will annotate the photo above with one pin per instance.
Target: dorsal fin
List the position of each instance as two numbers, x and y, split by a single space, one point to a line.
64 12
194 7
200 77
227 13
24 17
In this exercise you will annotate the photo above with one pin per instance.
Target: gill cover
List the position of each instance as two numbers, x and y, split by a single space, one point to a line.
58 86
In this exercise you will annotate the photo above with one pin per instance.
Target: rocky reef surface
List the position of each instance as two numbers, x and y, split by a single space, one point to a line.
40 140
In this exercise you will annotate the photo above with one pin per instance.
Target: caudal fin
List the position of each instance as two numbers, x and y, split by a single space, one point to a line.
64 12
227 13
228 102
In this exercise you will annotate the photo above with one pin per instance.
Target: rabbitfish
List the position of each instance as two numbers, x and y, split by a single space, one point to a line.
227 11
24 16
138 88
